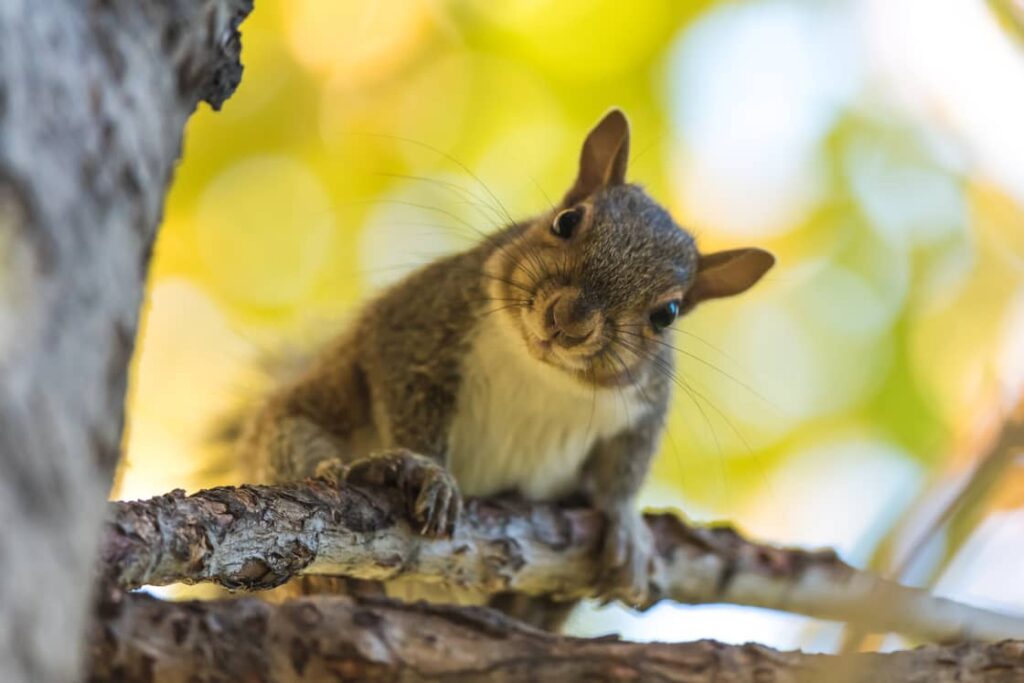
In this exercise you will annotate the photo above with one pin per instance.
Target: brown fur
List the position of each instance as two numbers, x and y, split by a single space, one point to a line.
382 398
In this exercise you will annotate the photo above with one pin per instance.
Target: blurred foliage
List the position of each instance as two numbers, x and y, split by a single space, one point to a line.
368 138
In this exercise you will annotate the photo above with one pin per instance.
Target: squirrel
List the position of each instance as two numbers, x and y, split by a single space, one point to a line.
535 363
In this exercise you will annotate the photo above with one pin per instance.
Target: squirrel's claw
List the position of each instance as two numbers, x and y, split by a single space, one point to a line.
432 496
437 504
626 560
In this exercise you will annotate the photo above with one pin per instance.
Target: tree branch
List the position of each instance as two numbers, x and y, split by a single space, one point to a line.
342 638
259 537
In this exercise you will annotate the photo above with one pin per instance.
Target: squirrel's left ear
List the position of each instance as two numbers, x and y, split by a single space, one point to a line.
726 273
604 157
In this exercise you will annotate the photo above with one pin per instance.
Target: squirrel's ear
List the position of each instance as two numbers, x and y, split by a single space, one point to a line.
726 273
604 157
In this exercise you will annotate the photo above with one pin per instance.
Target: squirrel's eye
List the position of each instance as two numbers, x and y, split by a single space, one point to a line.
664 315
566 222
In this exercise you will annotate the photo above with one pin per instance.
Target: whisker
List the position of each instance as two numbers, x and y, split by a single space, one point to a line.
488 238
664 418
415 205
497 298
525 255
622 394
696 337
491 276
541 190
690 354
453 160
463 193
501 308
671 374
693 395
529 254
593 406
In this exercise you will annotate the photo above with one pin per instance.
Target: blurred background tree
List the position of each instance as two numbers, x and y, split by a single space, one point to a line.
875 146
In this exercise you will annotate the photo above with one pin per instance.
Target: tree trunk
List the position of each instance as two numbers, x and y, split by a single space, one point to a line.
93 100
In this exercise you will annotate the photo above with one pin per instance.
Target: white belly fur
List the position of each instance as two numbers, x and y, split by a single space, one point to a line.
522 425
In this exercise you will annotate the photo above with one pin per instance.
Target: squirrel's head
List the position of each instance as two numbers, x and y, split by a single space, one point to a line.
596 283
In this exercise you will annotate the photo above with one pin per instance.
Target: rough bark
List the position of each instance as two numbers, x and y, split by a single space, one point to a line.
364 639
93 100
258 537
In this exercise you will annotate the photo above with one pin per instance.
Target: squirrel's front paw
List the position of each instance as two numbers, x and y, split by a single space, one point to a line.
626 559
430 490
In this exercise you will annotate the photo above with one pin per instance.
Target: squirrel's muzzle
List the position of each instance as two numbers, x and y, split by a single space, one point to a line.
569 320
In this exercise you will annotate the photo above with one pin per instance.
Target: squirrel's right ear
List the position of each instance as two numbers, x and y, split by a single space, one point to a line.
604 157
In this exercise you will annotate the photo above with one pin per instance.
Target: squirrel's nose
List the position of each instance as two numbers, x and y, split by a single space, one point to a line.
573 321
